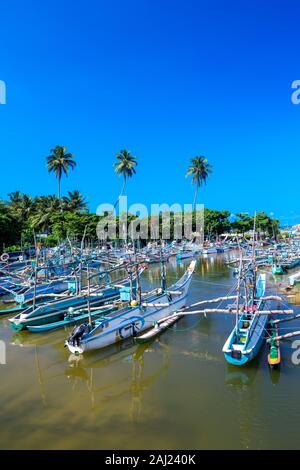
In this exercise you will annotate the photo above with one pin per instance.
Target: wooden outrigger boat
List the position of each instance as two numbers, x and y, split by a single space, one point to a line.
185 255
127 322
55 311
274 346
247 336
72 317
277 269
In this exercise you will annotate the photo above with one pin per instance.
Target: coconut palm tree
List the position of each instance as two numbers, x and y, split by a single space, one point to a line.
46 207
21 205
125 166
199 169
74 201
60 162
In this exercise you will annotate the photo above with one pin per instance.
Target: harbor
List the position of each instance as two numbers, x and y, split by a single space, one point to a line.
149 231
157 390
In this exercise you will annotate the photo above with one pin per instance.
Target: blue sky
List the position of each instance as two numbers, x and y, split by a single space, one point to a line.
165 79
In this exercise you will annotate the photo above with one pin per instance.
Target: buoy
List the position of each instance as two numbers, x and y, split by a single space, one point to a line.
133 303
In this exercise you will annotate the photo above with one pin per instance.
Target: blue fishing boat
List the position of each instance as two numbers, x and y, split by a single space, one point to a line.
10 285
55 310
70 318
248 335
277 269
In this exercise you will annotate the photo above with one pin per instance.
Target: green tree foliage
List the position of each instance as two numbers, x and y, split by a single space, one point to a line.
21 214
10 227
243 223
74 201
216 222
264 224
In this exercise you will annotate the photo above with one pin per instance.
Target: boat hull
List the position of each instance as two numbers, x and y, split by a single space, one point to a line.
244 342
245 357
141 321
22 322
130 321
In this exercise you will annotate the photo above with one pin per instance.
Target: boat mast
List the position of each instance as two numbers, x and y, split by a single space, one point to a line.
254 259
35 270
89 290
163 269
238 292
138 284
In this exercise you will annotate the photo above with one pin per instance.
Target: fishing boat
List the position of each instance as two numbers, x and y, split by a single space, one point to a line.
274 346
247 336
286 261
277 269
185 255
10 286
53 311
127 322
72 317
294 280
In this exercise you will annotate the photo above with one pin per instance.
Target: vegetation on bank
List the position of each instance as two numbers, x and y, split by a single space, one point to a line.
56 217
21 214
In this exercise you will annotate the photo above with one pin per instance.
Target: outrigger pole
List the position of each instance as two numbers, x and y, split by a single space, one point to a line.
286 335
89 293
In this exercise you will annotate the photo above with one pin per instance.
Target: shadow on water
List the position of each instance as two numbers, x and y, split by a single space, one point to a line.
124 371
241 376
84 368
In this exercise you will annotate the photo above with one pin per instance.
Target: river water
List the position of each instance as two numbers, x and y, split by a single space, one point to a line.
174 393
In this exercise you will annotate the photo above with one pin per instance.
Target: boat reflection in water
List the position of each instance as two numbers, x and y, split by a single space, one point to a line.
241 377
241 381
143 373
274 375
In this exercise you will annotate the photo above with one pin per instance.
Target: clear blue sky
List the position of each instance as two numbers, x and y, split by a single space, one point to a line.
166 79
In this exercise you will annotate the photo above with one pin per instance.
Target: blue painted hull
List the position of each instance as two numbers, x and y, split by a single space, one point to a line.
245 358
246 339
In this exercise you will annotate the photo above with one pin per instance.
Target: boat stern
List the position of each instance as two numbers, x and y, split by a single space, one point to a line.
74 349
236 357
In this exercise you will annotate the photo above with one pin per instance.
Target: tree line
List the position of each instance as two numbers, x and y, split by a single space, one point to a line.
57 217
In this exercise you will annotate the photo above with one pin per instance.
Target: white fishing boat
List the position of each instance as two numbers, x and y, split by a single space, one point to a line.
131 320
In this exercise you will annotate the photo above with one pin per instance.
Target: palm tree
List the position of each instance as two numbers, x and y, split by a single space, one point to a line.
199 169
46 207
59 162
125 166
21 205
74 201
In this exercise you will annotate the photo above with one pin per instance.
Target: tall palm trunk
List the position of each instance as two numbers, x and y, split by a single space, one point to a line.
123 187
59 193
195 197
122 192
124 225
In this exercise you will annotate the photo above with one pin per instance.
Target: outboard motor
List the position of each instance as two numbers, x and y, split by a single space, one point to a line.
77 334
